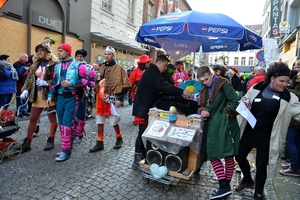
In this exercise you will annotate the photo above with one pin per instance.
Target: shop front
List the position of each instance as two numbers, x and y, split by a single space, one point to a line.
26 23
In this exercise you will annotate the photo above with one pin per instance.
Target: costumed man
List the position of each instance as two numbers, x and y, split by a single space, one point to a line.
151 85
136 75
37 87
180 74
82 108
69 78
110 92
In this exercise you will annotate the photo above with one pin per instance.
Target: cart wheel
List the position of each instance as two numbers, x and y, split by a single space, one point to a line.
14 150
146 181
167 187
1 156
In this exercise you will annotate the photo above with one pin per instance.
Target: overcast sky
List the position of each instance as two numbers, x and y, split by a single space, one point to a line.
246 12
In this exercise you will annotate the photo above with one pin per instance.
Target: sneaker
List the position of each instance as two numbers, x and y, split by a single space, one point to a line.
219 193
64 155
20 115
285 165
244 185
289 172
58 153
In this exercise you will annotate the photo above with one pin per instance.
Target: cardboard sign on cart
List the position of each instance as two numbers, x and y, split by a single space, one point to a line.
172 137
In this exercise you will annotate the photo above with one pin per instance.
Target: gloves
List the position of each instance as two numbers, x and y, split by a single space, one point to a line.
24 94
41 82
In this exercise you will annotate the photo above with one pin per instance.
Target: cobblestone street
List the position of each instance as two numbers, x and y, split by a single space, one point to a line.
102 175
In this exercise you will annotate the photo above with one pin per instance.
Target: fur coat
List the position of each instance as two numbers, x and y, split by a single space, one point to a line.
30 83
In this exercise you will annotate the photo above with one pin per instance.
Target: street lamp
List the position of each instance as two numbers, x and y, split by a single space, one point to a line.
2 2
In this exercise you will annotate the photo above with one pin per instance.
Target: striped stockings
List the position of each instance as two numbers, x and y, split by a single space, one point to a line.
220 171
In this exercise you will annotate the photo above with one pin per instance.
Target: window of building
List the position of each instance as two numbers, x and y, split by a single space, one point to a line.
251 59
151 11
130 11
236 60
243 61
106 5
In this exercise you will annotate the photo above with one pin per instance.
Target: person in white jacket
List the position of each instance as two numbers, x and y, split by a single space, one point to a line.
273 106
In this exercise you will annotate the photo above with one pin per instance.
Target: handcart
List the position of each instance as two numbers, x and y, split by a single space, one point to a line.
9 147
187 152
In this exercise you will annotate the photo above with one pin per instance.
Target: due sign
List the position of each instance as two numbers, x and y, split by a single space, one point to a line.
46 21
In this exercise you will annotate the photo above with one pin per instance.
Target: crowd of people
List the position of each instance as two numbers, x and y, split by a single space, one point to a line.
61 87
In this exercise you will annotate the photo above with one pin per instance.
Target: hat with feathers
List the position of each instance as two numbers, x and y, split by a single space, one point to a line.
46 45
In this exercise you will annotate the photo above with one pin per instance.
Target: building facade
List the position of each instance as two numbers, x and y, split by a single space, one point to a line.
288 30
26 23
115 23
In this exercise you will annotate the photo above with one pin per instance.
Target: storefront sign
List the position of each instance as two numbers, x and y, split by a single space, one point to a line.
275 18
284 28
47 21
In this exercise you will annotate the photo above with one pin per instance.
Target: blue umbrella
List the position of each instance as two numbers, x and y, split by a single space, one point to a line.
183 32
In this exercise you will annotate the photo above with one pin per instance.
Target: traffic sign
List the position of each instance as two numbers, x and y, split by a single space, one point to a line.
260 55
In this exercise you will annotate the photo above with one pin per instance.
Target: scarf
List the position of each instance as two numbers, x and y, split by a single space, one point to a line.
112 63
212 84
10 67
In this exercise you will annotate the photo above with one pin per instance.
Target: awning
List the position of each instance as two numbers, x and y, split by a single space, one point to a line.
114 42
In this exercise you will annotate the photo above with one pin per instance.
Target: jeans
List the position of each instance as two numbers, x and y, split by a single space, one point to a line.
21 102
293 147
5 99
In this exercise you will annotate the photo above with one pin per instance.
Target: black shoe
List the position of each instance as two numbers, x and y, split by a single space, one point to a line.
49 145
136 162
26 114
98 147
26 146
20 115
119 143
243 185
219 193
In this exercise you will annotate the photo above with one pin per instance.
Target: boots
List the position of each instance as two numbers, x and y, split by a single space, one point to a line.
98 147
49 145
137 158
119 143
66 143
26 146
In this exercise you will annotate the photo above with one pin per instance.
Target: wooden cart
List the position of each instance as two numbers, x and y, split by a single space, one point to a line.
193 158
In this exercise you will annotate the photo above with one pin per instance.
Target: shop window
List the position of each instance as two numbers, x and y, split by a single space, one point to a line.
106 5
130 13
236 60
243 61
